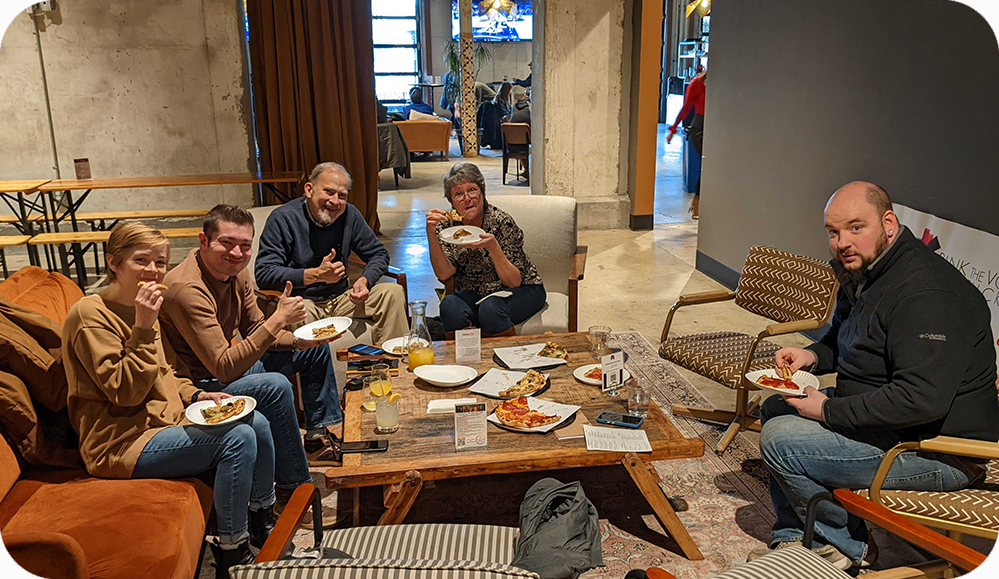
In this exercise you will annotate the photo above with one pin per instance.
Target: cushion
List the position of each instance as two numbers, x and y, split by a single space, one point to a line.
554 317
718 355
418 116
370 568
10 469
549 225
126 528
48 554
788 562
49 293
483 543
785 287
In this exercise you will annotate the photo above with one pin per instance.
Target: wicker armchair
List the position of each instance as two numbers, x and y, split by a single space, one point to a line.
795 291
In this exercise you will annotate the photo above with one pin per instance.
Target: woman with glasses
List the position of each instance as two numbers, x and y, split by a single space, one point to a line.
493 263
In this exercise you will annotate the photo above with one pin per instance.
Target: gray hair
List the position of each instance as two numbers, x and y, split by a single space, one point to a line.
330 166
463 173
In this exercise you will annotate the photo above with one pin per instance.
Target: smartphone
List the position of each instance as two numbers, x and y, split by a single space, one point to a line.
617 419
364 446
365 350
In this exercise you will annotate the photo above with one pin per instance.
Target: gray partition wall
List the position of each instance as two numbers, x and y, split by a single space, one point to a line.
804 96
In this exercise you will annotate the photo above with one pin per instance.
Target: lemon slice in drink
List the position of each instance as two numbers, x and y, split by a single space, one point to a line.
381 388
395 398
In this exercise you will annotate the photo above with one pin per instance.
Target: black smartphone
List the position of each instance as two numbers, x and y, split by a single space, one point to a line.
365 350
364 446
617 419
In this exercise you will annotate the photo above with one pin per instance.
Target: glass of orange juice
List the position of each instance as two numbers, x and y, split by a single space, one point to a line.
418 342
420 356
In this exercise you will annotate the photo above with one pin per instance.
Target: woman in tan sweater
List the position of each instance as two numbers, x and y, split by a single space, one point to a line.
127 403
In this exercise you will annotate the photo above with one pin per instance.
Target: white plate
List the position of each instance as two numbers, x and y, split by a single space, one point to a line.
340 323
439 375
801 378
447 235
387 345
580 374
193 411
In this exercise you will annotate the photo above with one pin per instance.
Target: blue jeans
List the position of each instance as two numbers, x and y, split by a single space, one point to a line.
242 454
495 315
805 457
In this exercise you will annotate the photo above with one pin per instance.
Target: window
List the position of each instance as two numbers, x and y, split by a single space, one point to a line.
395 28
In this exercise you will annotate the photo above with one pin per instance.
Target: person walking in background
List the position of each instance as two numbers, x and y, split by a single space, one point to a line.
693 101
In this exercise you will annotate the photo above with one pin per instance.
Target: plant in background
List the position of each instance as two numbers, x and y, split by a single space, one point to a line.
452 62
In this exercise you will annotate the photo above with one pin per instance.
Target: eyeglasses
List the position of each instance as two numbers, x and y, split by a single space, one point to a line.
471 194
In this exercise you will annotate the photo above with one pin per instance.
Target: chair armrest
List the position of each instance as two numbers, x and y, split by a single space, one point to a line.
919 535
394 272
278 544
48 554
268 295
578 263
705 297
961 447
791 327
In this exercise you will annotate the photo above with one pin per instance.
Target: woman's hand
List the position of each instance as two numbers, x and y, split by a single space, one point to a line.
434 218
147 304
486 241
216 397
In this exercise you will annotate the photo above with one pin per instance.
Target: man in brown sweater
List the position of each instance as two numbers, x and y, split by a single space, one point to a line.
209 299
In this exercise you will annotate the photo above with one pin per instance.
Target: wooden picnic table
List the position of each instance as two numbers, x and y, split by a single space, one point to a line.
14 195
423 449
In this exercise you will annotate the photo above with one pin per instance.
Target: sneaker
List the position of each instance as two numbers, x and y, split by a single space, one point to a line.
323 450
761 551
835 557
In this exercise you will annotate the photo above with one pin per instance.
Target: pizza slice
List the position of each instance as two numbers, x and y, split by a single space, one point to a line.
220 412
453 216
517 414
553 350
461 233
532 382
595 374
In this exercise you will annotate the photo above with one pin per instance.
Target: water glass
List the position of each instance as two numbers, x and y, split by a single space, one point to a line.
368 404
386 415
638 398
598 341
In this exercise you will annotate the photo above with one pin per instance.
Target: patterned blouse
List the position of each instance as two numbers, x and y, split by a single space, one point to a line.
475 269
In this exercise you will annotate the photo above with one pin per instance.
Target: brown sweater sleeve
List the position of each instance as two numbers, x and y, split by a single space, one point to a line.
252 320
193 314
125 373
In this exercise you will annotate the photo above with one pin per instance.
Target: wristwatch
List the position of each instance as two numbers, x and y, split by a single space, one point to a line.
294 343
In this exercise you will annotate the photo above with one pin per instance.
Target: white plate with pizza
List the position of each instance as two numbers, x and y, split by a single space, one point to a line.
521 413
508 384
461 234
771 379
207 413
323 330
445 375
398 346
593 375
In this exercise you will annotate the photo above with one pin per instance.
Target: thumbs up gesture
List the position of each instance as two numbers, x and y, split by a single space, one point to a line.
331 270
290 310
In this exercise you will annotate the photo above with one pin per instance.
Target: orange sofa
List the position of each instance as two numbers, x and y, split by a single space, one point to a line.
59 522
426 136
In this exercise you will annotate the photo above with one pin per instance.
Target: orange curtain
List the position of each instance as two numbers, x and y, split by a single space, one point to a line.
312 67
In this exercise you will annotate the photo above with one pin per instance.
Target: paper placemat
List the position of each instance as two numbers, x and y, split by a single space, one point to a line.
525 357
496 380
547 407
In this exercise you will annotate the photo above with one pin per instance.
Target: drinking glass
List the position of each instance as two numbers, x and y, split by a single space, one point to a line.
368 404
638 398
598 341
386 415
419 333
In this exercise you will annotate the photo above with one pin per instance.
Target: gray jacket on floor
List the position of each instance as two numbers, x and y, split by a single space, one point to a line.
559 531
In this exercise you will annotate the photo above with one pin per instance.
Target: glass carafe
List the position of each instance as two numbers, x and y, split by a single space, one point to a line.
418 342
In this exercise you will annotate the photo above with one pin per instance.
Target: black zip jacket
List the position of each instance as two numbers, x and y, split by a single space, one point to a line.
913 351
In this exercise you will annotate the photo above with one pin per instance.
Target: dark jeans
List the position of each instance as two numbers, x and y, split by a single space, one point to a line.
495 315
696 131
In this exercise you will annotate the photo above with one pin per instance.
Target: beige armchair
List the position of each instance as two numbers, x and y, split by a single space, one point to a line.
427 136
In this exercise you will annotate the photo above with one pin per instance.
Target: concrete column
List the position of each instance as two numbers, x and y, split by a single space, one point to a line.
469 105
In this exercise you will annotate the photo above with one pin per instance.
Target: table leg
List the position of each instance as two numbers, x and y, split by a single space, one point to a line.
78 252
399 498
63 256
27 229
648 485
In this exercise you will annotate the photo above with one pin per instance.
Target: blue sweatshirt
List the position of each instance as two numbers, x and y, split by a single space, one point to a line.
292 242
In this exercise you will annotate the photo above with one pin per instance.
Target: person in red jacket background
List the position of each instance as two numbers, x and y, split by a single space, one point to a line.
693 100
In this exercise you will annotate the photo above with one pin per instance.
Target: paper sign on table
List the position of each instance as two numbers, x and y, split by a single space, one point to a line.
616 439
468 347
470 426
446 406
525 357
612 368
495 380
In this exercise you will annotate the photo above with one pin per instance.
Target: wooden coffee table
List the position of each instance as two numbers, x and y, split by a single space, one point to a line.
423 447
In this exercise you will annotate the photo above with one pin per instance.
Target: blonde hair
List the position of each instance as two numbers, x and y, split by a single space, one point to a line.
127 236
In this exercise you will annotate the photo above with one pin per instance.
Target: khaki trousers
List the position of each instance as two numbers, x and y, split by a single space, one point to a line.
385 306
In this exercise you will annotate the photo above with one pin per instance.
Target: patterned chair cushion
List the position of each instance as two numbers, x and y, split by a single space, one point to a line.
483 543
785 287
977 505
788 563
369 568
718 355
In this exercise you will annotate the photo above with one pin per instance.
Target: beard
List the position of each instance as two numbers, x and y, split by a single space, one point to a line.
854 278
326 216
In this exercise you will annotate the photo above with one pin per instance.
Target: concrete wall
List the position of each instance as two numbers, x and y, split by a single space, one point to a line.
509 58
585 107
141 88
806 96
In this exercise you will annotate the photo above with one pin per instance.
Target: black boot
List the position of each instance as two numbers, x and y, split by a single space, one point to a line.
226 558
261 524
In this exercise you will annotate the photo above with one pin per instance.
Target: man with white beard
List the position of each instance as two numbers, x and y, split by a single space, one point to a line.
309 241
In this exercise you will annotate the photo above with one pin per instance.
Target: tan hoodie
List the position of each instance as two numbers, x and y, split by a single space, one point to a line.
122 385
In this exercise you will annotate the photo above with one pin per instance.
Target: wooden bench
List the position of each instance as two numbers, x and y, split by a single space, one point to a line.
117 215
10 241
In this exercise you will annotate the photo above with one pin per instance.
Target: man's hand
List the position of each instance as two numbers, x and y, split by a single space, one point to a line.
329 271
147 305
486 241
795 358
216 397
289 310
360 293
809 406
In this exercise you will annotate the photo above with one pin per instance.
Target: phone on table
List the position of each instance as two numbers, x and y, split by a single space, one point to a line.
618 419
364 446
365 350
